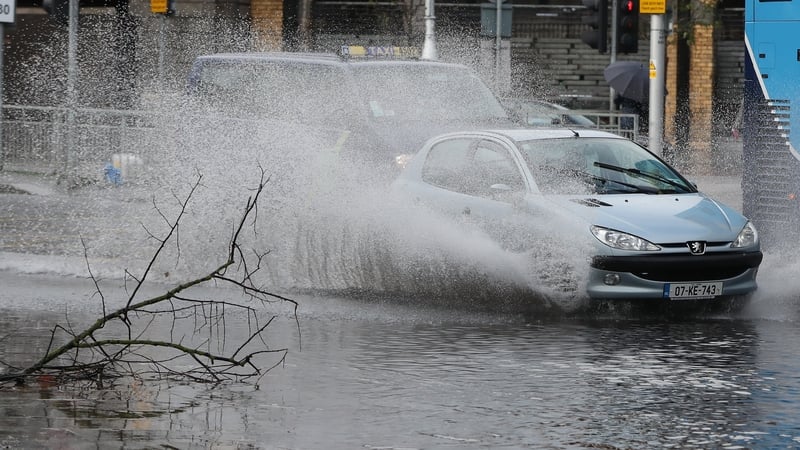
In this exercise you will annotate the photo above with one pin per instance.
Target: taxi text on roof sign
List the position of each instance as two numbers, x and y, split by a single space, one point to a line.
159 6
360 51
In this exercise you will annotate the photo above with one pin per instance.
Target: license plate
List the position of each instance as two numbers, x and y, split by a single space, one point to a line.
680 291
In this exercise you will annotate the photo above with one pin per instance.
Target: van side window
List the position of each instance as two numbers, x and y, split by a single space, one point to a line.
301 93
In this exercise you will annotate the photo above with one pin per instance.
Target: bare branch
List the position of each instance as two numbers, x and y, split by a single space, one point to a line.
99 352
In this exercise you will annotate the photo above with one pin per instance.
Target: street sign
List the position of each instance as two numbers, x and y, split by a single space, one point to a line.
653 6
8 9
156 6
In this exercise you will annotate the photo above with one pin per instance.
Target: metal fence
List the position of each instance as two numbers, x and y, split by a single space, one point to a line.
624 124
59 140
82 141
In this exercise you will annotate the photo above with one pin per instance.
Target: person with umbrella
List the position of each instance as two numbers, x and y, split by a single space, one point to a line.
629 106
631 81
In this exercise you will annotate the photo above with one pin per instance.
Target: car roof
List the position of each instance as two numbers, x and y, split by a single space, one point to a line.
526 134
265 56
316 58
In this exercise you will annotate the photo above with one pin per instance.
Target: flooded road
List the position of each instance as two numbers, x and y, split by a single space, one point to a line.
390 371
380 374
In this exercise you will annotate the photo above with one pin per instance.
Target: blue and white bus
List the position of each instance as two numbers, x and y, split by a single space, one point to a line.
771 118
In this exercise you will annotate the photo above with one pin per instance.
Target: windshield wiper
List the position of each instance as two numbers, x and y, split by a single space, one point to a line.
635 187
637 172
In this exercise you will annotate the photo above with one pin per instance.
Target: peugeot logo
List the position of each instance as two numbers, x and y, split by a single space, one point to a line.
696 247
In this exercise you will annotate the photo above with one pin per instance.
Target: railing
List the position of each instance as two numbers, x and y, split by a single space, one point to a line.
59 140
623 124
82 141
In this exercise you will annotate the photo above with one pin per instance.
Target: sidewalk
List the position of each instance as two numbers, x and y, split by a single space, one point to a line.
726 189
16 181
726 159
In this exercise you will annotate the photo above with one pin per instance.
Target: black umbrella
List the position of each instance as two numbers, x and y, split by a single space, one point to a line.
631 79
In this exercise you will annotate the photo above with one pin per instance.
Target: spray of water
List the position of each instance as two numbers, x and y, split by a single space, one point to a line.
324 226
778 286
327 230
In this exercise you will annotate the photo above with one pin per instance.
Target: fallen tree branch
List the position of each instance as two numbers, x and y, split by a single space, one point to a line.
119 342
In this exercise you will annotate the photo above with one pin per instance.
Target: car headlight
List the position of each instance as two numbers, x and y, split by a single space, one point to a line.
402 160
747 237
623 241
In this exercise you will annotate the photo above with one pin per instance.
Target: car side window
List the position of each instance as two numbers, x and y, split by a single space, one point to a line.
472 167
493 165
446 164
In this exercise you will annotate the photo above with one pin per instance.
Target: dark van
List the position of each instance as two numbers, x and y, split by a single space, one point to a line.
382 108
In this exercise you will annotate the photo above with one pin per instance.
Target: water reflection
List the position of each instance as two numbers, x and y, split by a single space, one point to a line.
624 385
383 376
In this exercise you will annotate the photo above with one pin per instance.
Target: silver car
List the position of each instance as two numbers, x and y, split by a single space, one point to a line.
644 231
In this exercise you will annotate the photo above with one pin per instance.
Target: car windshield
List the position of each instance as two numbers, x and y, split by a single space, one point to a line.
572 166
425 93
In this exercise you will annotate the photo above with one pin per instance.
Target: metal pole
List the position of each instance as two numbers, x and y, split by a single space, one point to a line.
498 41
162 31
613 53
657 68
72 75
2 46
304 23
429 45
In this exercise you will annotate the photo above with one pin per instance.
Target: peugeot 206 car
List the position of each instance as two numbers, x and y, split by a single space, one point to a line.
644 230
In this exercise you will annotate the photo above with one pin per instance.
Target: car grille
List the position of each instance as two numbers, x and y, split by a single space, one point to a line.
711 266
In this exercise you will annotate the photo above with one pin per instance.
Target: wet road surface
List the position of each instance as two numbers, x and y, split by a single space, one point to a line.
375 374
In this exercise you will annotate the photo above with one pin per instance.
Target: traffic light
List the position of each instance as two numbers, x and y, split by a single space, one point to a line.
597 19
628 27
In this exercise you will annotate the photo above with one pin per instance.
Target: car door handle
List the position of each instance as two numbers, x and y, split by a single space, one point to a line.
466 211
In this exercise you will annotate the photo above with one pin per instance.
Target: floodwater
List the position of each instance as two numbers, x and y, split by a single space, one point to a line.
434 356
383 374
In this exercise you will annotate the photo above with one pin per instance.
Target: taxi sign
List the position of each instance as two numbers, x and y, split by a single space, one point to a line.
387 51
157 6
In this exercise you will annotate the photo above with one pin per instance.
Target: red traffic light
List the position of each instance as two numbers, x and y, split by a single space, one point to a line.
628 5
628 27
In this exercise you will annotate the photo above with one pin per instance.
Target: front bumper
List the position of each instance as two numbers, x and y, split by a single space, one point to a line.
644 276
